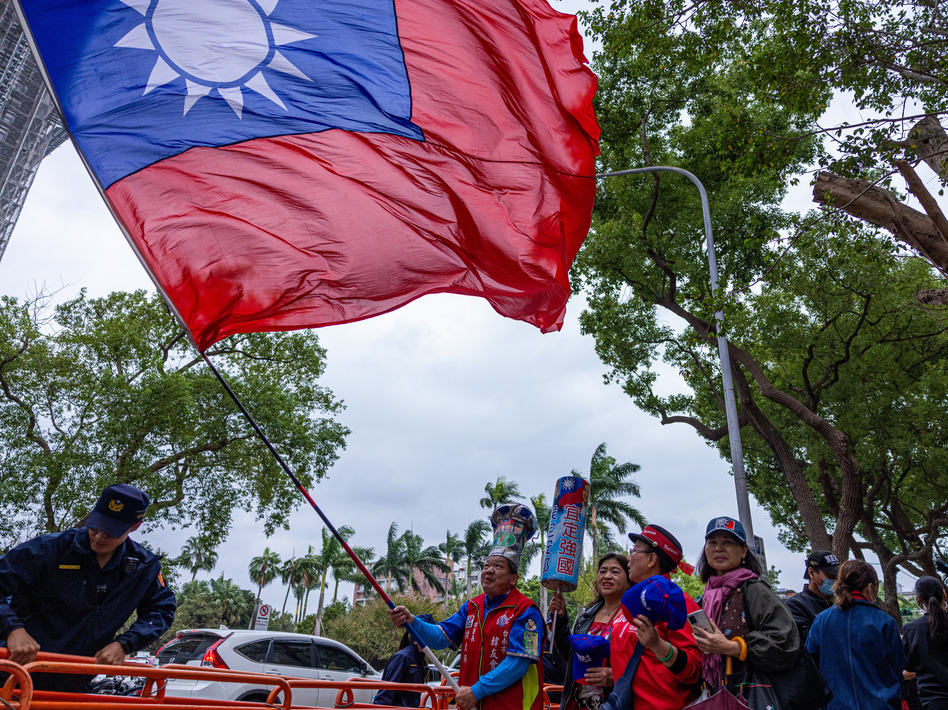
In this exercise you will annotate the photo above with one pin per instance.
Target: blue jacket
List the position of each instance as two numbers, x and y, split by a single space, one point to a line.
860 654
53 587
408 665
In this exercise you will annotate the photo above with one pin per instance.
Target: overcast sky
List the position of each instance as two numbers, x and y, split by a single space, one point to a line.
443 396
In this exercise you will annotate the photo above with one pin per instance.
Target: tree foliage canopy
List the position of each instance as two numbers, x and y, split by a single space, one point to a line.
104 390
840 373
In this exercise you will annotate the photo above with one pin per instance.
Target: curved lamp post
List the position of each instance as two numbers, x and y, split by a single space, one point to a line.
730 404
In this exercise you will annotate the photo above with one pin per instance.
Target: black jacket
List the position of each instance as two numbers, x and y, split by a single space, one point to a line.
804 607
561 645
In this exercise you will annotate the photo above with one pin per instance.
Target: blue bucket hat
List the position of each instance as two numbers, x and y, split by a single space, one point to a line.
659 600
589 651
120 508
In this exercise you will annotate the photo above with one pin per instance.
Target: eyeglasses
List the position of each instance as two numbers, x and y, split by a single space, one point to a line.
637 551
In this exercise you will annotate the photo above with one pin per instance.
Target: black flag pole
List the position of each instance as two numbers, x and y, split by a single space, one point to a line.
332 528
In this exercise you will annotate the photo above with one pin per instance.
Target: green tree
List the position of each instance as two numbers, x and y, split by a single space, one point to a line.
99 390
290 574
264 569
838 371
309 570
392 564
453 550
425 561
234 605
501 491
475 546
543 512
367 630
608 482
198 554
332 557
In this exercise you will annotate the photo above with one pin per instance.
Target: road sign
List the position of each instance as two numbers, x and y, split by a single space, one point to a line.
261 618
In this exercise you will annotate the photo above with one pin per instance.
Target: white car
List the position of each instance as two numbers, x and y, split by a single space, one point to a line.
266 652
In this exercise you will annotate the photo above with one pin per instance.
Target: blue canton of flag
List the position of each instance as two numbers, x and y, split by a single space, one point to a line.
142 80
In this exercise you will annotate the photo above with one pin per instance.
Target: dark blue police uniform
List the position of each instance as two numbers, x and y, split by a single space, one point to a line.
406 666
53 587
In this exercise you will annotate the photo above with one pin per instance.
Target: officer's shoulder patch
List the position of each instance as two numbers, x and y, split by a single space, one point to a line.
161 580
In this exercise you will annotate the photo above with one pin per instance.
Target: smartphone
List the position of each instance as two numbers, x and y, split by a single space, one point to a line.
700 619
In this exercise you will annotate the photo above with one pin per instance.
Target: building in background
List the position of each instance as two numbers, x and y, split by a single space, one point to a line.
30 126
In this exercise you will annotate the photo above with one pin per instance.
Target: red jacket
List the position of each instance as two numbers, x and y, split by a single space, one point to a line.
654 686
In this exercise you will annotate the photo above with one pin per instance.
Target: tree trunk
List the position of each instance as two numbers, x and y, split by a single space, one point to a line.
319 607
882 208
803 496
467 576
930 139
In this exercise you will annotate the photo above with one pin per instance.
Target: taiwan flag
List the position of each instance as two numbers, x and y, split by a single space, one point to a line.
283 164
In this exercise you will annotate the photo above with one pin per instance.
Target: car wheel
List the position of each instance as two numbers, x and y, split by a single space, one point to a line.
255 698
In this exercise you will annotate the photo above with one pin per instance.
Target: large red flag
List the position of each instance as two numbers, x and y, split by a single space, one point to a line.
292 163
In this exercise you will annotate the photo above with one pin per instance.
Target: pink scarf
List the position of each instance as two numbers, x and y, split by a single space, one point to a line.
718 590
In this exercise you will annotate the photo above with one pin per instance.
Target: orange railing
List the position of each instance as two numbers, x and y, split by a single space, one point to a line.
18 692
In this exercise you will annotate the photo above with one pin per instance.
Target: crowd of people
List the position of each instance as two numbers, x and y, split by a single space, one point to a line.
642 643
738 629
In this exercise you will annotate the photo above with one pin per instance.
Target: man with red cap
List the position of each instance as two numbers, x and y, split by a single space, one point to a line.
667 674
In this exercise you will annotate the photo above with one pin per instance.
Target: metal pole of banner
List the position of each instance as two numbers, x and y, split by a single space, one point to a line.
730 402
332 528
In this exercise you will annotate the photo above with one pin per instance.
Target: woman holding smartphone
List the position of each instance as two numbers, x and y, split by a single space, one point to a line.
749 624
602 618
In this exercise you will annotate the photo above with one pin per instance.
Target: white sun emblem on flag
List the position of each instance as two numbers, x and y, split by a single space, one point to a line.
220 45
569 483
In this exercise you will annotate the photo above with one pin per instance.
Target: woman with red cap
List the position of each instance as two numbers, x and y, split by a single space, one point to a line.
668 671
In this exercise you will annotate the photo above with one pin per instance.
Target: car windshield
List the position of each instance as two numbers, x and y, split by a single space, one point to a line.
188 647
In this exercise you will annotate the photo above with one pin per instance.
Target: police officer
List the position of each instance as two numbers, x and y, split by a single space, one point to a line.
70 592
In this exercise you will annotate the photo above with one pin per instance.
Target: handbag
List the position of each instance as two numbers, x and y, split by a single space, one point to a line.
802 686
799 687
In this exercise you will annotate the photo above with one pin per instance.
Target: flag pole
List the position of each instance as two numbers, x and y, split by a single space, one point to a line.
332 528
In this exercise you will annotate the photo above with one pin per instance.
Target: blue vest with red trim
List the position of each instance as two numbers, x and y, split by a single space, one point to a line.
479 655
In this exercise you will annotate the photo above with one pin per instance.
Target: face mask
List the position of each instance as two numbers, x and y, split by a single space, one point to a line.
827 587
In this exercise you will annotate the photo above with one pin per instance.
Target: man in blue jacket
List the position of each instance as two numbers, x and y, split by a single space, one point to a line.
71 592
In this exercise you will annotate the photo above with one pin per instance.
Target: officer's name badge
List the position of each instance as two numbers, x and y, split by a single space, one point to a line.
69 567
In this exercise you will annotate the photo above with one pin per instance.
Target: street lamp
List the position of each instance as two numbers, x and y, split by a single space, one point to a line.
730 403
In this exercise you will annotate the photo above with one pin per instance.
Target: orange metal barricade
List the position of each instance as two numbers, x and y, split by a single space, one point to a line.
19 694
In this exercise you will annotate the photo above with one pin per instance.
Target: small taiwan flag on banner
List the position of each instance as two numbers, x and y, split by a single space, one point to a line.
282 164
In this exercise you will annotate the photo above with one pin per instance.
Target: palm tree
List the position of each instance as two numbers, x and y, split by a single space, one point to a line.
198 554
308 573
474 546
392 563
345 570
289 575
333 557
264 569
503 491
453 550
608 481
427 560
542 512
230 600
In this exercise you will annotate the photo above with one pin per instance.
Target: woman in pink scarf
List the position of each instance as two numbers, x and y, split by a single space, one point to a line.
749 623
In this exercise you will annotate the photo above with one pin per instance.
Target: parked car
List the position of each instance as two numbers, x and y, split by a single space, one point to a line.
272 652
189 647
